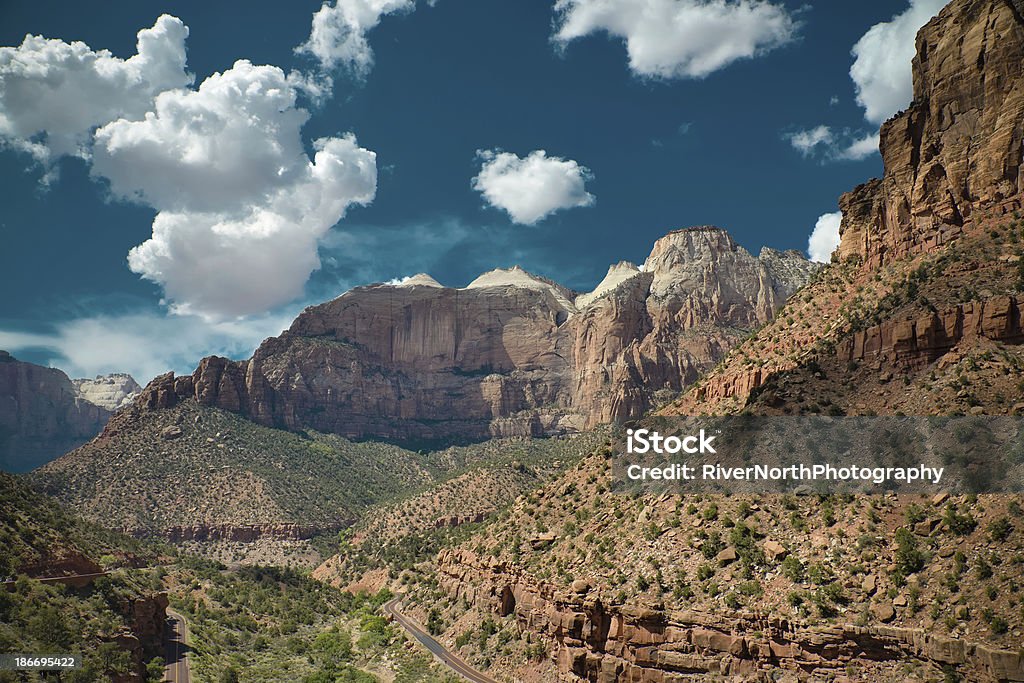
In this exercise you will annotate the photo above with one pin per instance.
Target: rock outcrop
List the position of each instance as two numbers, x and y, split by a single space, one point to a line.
958 147
242 533
42 416
919 342
511 354
592 640
110 392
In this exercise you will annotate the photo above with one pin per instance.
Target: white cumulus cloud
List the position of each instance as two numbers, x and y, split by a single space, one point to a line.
256 257
680 38
530 189
825 237
881 69
241 207
338 34
53 94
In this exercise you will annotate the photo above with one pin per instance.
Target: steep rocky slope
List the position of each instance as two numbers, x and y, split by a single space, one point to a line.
579 582
510 354
223 486
42 415
919 313
394 533
199 473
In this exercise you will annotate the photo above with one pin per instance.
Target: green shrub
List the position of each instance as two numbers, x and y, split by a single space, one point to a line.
909 558
1000 529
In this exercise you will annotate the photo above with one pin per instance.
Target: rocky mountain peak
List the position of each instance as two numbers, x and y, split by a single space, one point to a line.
705 259
516 276
617 274
418 280
694 242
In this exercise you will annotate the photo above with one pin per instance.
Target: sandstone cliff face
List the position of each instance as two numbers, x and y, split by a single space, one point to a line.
958 147
511 354
41 415
953 173
662 328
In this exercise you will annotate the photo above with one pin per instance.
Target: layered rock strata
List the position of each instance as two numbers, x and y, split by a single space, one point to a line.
921 341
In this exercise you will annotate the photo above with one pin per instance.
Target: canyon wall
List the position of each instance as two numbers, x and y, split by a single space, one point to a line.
42 415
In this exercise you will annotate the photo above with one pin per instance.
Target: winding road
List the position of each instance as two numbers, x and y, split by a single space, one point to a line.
176 649
449 659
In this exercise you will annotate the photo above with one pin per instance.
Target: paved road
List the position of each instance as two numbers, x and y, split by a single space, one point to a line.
176 649
448 658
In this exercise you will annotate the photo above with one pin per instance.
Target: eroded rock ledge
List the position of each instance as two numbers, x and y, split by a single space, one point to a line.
244 533
604 643
918 342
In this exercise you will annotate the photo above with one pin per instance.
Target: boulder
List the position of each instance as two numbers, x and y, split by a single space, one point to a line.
170 432
774 551
727 556
884 612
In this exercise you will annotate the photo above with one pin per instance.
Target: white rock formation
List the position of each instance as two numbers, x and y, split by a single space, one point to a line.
108 391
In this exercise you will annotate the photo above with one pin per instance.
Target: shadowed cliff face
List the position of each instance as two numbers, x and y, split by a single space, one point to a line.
958 147
42 415
510 354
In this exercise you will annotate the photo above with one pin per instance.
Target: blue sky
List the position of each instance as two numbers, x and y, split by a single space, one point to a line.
455 137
